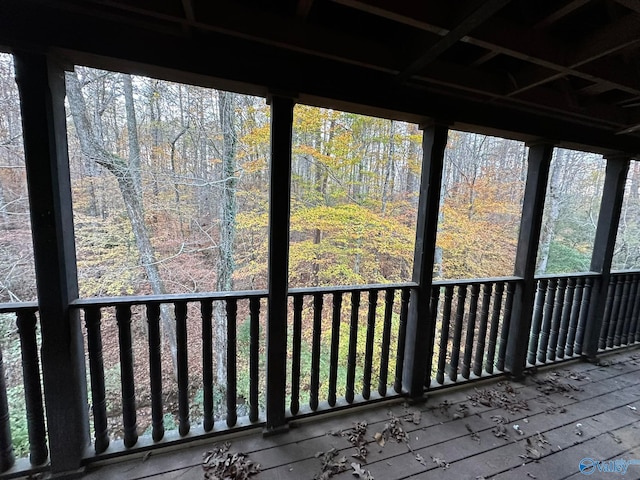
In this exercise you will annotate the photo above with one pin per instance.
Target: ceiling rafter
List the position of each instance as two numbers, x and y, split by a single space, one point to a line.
561 12
485 11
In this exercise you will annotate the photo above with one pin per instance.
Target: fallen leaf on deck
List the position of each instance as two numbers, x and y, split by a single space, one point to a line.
379 438
360 472
440 462
421 459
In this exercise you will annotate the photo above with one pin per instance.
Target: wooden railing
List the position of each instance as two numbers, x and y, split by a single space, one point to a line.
560 314
345 346
621 325
25 315
477 312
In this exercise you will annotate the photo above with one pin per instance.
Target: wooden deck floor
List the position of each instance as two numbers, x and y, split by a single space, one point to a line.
564 414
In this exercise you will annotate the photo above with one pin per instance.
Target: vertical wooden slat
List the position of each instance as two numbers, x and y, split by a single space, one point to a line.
335 347
584 315
206 313
633 291
402 333
495 323
123 317
506 323
254 360
444 334
536 322
386 340
606 317
183 368
555 319
622 312
315 351
547 316
155 371
575 314
566 316
634 329
232 388
615 310
353 344
471 331
92 317
482 330
433 311
368 356
295 361
7 458
457 332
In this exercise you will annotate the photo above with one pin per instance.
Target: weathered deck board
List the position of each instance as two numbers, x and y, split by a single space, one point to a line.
609 430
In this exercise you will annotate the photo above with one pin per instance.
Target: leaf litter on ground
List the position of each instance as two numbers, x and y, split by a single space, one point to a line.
220 464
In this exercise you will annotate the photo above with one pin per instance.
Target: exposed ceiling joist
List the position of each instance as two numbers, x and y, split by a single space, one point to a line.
561 12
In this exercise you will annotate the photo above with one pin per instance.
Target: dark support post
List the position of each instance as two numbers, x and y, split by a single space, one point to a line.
42 91
420 325
526 254
278 276
604 243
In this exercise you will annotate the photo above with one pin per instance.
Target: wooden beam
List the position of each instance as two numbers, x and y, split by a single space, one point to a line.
603 247
560 12
526 253
303 8
464 27
633 5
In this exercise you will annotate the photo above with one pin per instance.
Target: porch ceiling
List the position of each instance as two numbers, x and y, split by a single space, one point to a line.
568 71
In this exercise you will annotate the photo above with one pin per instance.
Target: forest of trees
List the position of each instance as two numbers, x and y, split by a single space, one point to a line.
170 191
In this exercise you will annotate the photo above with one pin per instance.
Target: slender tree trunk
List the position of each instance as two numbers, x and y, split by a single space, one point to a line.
227 215
129 182
553 201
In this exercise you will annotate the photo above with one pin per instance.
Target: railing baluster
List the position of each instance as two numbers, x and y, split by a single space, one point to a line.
584 314
386 340
232 388
506 321
38 451
444 333
547 316
575 313
493 331
206 313
566 315
471 331
482 330
615 311
183 368
536 321
607 317
7 458
92 317
368 357
433 312
353 343
634 334
295 361
402 333
315 351
457 332
335 347
633 291
155 371
555 319
254 360
622 312
123 317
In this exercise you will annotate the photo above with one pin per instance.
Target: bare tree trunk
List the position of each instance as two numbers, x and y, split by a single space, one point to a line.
227 213
553 199
129 182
